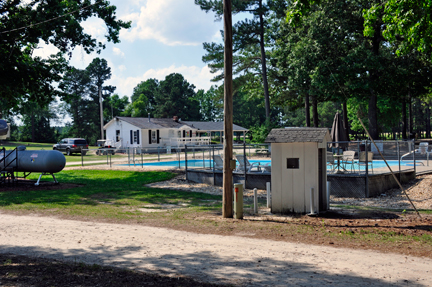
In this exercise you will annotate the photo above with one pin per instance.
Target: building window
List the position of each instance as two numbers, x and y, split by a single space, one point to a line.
153 136
179 134
135 136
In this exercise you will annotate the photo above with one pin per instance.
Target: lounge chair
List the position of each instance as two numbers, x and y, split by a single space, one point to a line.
362 159
244 164
348 159
217 162
331 162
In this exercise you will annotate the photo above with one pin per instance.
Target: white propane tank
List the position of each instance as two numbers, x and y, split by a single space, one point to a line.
46 161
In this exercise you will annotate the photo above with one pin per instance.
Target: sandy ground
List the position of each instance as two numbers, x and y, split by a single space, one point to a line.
235 259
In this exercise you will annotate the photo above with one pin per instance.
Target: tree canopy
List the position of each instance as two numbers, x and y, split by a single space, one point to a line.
24 24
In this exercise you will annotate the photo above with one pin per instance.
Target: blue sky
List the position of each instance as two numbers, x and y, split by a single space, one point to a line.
166 37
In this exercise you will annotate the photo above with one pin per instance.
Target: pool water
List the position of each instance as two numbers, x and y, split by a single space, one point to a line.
191 163
394 164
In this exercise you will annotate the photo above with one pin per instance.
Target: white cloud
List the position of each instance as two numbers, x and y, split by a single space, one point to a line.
44 51
200 77
96 28
171 22
80 59
118 52
122 68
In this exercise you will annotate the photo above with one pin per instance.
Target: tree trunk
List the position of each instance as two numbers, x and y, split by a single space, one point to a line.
374 77
411 118
372 115
307 111
33 127
345 119
428 115
263 64
315 111
404 119
418 118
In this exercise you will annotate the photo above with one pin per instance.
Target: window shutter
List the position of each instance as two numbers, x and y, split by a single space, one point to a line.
138 136
190 135
131 136
149 136
184 133
157 136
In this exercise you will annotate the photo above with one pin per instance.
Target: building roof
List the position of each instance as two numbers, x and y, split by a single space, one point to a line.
212 126
144 123
290 135
157 123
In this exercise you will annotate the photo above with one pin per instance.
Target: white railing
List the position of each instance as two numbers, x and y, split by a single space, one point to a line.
178 142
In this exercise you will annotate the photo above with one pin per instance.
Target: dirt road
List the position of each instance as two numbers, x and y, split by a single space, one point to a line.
237 260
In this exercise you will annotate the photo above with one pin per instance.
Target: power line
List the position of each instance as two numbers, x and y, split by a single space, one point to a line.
49 20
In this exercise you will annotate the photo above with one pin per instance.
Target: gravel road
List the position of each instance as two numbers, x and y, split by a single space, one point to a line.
238 260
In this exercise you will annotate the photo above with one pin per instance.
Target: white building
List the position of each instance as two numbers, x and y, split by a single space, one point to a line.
298 162
156 132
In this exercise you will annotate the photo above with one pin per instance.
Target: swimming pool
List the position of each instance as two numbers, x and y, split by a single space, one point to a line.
191 163
208 163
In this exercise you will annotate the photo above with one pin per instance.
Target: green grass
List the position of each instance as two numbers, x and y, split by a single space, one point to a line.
108 194
28 145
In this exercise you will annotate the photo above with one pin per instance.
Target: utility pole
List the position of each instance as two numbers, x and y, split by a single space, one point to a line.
227 202
101 112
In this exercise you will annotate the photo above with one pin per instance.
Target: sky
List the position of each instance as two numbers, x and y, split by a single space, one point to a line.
166 37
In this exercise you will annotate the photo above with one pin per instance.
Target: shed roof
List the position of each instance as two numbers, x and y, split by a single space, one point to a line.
288 135
212 126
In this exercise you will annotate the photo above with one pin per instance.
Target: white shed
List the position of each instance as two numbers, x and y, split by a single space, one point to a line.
298 161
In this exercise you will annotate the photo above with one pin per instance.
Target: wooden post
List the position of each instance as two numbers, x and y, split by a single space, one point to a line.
227 202
101 112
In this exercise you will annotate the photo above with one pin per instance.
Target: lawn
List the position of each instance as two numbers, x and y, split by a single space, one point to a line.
117 195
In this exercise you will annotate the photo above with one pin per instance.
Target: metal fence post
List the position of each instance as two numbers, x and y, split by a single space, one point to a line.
214 177
367 170
142 159
414 158
244 162
186 165
158 154
133 155
398 156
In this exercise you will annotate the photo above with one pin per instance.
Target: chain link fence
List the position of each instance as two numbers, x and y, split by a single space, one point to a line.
363 169
354 169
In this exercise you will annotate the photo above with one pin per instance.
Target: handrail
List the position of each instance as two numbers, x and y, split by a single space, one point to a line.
6 156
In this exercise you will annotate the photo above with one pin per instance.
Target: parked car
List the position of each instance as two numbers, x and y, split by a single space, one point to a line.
105 147
71 145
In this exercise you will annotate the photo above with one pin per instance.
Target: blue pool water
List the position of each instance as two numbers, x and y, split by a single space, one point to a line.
208 163
191 163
